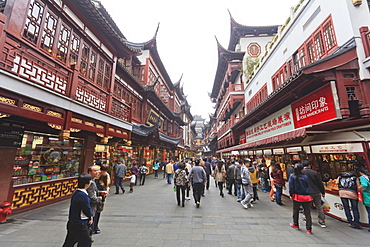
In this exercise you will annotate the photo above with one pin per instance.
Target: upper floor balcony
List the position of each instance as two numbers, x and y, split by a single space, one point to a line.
234 95
69 67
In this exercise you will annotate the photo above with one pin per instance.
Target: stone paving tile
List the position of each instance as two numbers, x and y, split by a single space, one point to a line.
150 217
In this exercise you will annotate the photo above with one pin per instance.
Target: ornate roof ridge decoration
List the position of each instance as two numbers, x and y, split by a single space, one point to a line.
151 45
238 30
224 56
169 139
99 16
143 130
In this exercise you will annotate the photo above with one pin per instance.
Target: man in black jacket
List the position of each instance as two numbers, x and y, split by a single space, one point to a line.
80 216
316 189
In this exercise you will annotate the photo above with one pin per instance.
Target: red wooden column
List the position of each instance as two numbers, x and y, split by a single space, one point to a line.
2 35
6 163
365 41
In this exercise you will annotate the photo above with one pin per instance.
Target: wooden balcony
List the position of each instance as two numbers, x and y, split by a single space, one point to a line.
234 93
41 68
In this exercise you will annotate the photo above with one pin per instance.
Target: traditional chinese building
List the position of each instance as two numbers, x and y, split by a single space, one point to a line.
75 91
305 98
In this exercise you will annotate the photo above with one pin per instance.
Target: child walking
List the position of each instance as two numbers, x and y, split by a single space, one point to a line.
132 182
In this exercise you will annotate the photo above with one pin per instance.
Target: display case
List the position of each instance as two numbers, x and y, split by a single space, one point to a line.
44 157
331 165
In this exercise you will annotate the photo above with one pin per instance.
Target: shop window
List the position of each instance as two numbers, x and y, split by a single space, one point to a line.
44 157
331 165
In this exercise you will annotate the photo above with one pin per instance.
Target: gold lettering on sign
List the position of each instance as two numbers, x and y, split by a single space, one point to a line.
99 126
111 129
89 124
32 107
75 130
7 100
55 114
55 126
77 120
119 132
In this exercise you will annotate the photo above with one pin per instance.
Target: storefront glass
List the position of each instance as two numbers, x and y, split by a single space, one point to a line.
331 165
45 157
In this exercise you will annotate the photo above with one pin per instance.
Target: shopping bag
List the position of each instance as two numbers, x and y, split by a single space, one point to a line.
360 199
325 205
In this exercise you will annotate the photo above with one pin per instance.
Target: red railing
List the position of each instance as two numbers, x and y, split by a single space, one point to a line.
229 123
229 89
27 62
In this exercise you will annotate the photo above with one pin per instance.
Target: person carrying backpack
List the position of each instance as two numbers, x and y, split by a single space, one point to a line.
348 184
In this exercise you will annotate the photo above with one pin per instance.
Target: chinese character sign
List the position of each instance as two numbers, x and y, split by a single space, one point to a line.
278 123
314 108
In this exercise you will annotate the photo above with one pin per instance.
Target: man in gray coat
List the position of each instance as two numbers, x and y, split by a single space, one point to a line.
199 177
119 174
247 185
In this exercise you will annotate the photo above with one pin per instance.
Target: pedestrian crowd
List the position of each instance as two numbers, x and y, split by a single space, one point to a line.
239 177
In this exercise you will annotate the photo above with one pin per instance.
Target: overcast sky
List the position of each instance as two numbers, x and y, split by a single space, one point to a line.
186 37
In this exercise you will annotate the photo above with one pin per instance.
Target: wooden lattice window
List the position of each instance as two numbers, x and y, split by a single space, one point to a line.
84 59
319 46
107 75
48 33
33 22
351 93
75 49
329 36
93 62
63 43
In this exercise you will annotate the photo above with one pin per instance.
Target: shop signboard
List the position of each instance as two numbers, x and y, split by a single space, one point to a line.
242 138
267 151
293 150
317 107
278 151
338 148
154 118
11 133
307 149
277 123
251 152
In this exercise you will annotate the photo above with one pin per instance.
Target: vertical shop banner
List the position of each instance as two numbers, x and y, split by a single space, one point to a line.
278 123
11 133
317 107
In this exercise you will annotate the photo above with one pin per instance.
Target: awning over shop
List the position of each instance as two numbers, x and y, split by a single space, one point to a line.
351 136
277 138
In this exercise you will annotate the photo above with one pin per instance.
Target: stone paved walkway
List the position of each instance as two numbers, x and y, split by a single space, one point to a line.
150 217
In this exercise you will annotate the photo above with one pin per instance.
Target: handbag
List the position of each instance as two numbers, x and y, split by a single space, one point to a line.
325 205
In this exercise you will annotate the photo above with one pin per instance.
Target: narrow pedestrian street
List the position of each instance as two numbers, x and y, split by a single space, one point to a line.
150 217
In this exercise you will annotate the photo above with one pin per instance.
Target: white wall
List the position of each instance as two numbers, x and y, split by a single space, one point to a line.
347 20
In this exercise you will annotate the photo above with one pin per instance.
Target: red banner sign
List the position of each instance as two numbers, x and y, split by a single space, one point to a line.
314 108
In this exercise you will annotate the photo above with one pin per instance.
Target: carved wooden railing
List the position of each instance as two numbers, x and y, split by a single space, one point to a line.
27 62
